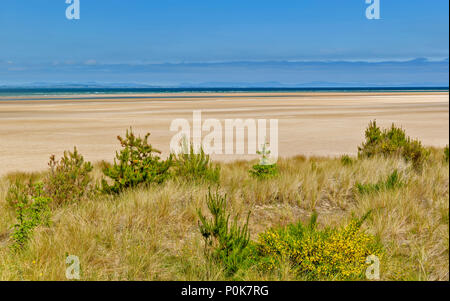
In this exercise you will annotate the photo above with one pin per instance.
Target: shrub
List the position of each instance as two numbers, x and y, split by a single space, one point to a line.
264 170
136 164
69 178
415 153
392 182
446 153
225 242
192 166
19 193
392 142
346 160
328 254
32 211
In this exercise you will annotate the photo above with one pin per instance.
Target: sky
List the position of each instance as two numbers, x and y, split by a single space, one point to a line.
175 42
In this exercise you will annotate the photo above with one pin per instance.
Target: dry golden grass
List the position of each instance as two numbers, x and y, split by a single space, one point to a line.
152 234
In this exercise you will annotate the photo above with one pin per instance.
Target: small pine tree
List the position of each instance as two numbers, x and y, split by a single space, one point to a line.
195 166
446 154
225 242
138 163
264 169
69 178
31 212
392 142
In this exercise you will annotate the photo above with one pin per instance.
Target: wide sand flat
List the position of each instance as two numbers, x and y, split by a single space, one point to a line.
326 124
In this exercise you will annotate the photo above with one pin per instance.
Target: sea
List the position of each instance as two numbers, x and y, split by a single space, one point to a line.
5 92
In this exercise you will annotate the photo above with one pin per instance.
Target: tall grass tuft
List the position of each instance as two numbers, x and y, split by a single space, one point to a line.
346 160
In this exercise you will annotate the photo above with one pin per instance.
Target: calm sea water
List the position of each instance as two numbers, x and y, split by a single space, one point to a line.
87 91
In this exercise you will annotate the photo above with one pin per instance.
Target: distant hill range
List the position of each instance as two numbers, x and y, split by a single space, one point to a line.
418 72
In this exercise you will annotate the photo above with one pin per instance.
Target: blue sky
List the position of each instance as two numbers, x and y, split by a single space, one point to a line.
137 37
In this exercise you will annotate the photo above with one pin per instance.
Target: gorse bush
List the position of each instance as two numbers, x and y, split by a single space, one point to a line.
392 182
225 242
195 167
136 164
32 210
328 254
392 142
69 178
264 169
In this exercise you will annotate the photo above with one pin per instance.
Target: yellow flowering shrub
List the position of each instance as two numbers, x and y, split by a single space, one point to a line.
328 254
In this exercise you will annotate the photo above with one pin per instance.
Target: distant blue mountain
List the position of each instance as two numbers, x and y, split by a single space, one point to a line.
417 72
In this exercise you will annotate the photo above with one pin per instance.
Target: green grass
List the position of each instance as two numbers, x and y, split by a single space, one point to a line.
392 182
151 233
149 218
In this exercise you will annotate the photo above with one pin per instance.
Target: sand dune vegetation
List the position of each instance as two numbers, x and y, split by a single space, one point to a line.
316 218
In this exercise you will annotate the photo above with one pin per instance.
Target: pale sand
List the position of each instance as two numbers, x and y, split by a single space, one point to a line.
323 124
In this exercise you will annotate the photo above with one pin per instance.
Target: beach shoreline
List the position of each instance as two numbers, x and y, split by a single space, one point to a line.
310 123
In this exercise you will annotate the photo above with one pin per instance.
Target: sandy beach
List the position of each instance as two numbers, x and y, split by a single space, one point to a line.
323 124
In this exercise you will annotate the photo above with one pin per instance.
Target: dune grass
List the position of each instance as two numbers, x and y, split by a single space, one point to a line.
152 233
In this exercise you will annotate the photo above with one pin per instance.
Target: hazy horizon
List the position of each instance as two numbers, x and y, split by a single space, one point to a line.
416 73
